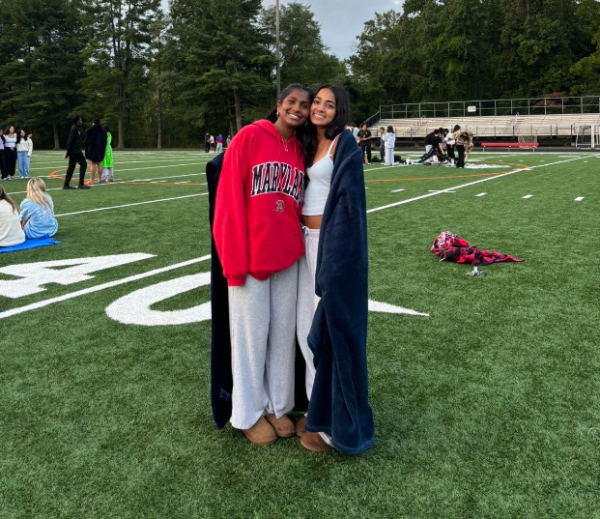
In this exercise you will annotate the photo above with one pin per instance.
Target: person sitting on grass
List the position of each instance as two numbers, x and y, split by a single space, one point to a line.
11 232
37 211
95 148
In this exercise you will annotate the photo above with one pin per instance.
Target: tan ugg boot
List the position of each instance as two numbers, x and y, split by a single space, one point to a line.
301 426
284 427
313 442
261 433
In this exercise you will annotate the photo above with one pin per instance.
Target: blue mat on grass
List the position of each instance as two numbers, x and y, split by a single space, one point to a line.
31 244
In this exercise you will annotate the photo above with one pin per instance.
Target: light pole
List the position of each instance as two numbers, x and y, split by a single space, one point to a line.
277 71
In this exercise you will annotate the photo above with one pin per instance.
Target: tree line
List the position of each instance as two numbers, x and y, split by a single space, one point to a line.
164 78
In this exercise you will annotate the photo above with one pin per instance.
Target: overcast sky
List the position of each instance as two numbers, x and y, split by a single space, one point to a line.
342 20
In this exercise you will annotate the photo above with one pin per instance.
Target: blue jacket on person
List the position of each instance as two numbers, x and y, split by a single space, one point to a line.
339 403
40 219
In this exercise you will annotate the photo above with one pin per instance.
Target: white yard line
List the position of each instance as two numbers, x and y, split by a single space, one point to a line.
487 179
397 190
130 205
98 288
137 161
526 197
481 194
579 198
121 182
158 167
64 166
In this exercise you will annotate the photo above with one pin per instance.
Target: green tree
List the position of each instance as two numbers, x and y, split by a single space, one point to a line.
304 57
587 70
42 44
117 57
224 61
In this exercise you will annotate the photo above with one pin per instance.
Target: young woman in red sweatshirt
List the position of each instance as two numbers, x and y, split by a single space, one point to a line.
259 242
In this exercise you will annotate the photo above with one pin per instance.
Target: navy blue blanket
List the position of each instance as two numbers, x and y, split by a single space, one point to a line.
339 404
220 359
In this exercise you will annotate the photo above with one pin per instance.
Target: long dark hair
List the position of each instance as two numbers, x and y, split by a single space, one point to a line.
4 196
302 133
19 139
337 126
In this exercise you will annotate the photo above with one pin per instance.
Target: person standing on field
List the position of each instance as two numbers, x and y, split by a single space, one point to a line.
390 144
258 239
95 148
107 163
10 152
24 151
382 139
2 167
75 155
364 136
219 143
207 142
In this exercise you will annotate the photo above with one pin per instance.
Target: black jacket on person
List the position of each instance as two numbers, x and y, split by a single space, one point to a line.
95 144
74 144
339 403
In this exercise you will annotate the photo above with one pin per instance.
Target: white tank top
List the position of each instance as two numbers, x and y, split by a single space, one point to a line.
317 191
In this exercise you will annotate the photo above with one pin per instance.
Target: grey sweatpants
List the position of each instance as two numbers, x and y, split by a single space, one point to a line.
262 318
307 304
107 174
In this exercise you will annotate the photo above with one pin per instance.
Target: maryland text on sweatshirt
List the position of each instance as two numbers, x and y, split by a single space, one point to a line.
259 203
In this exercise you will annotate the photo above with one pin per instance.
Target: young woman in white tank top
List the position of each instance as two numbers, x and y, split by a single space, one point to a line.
329 123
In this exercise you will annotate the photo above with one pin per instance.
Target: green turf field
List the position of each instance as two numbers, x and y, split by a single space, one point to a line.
488 408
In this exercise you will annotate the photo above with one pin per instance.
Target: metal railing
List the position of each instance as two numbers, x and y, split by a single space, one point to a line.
373 120
496 131
494 107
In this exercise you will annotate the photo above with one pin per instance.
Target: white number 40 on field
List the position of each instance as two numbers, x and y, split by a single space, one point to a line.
136 307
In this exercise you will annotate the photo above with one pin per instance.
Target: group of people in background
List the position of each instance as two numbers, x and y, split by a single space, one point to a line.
34 218
16 148
94 146
441 144
364 139
215 144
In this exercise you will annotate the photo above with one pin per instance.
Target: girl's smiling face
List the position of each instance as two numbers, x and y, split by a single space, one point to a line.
322 111
293 110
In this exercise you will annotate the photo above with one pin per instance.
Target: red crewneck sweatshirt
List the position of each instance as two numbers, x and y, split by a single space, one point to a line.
259 203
